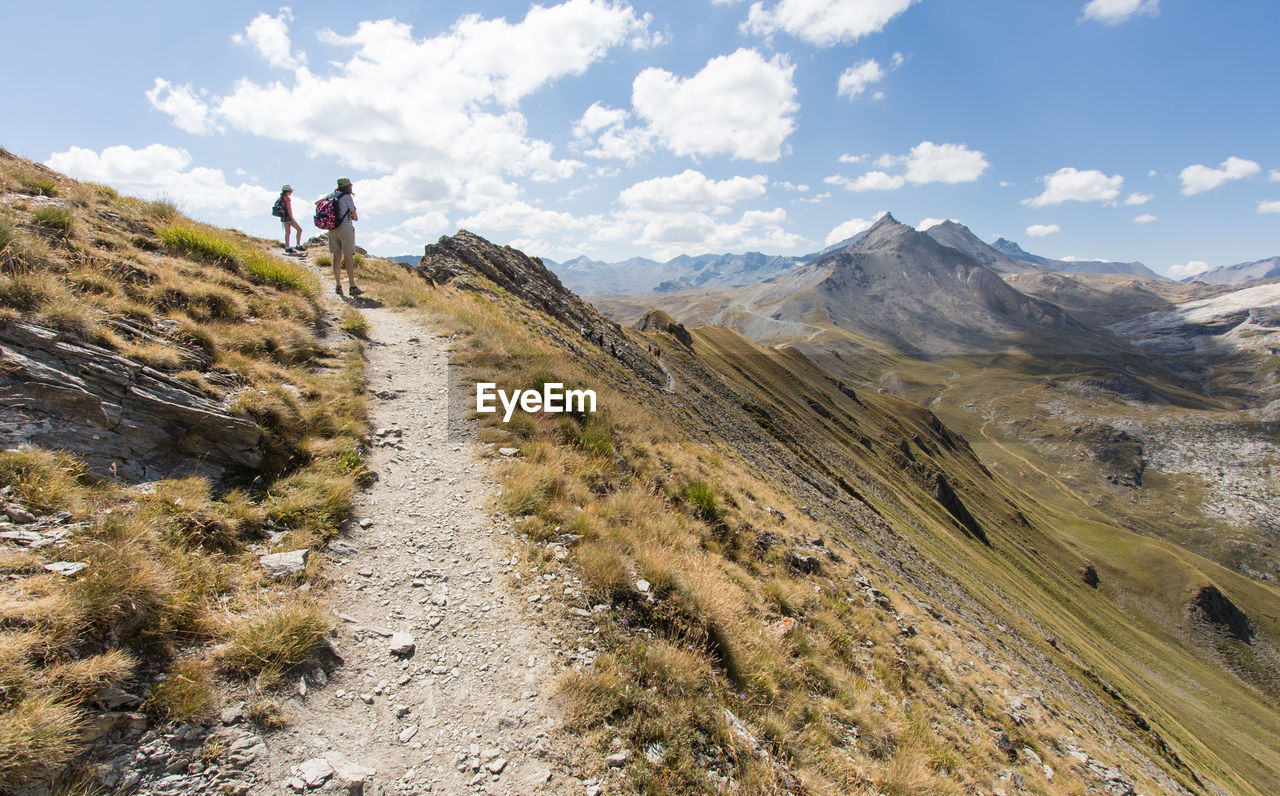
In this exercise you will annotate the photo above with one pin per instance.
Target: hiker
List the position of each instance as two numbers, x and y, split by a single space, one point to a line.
283 210
342 238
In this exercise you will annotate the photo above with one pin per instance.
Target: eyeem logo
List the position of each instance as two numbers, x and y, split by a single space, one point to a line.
553 398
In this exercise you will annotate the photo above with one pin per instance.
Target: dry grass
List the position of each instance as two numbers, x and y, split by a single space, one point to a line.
168 575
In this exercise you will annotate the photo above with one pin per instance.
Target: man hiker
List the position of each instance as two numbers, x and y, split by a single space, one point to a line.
285 208
342 238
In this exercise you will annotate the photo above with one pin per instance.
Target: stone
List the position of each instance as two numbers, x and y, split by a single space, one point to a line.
407 733
781 628
655 753
496 765
234 714
343 548
618 759
508 451
643 586
19 515
401 645
283 565
314 772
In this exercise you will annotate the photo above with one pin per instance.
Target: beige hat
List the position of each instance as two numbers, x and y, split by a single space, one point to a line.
286 188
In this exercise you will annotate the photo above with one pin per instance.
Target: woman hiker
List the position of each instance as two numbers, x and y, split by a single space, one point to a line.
342 238
286 203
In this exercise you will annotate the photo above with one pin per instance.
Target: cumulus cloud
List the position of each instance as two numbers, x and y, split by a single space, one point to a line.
848 158
951 163
1187 269
738 105
1072 185
163 172
930 223
824 22
1269 206
270 37
871 181
602 133
926 163
1041 230
1145 218
1275 175
188 111
854 80
1198 178
850 228
1136 198
669 234
690 191
1113 12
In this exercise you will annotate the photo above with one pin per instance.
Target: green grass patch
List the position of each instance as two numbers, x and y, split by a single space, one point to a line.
57 219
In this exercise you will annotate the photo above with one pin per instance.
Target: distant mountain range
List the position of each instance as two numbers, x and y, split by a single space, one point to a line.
1240 273
642 276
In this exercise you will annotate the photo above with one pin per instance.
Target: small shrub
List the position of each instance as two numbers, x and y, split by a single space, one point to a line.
57 219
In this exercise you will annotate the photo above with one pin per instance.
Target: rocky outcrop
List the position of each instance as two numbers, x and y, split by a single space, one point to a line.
1211 607
659 321
469 260
127 420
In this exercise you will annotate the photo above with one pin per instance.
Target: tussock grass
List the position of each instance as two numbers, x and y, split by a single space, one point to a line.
169 574
273 639
354 323
55 219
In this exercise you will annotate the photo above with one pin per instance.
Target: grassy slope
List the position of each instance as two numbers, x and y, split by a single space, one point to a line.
1120 632
173 606
752 426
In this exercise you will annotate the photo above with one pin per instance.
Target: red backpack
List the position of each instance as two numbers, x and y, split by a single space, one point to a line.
326 216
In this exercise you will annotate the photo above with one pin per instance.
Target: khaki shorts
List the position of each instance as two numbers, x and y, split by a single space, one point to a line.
342 241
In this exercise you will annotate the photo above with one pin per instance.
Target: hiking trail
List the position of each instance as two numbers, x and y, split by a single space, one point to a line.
467 708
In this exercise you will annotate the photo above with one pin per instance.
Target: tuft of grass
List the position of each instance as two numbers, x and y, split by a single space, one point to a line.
198 242
594 438
266 714
77 681
268 269
605 570
37 185
28 292
57 219
163 210
186 693
354 323
46 481
37 735
702 500
273 639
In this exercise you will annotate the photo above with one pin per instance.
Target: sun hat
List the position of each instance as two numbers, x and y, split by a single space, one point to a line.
286 188
343 182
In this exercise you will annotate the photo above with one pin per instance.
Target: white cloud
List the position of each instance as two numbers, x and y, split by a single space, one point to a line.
847 158
1041 230
850 228
824 22
854 80
1275 175
188 111
930 223
1269 206
1188 269
787 185
871 181
1145 218
1198 178
1071 185
738 105
602 133
950 163
927 163
270 37
1136 198
442 106
670 233
163 172
690 191
1113 12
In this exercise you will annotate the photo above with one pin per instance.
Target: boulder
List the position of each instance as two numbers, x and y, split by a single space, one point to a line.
283 565
126 420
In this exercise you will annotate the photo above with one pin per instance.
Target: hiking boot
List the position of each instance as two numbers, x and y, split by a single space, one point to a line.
355 290
337 289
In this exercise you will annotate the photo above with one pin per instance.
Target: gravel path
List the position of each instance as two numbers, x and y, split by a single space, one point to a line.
447 676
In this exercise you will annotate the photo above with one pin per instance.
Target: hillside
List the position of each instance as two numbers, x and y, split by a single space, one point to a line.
760 576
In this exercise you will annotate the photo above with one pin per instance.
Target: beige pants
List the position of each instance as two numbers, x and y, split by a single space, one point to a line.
342 241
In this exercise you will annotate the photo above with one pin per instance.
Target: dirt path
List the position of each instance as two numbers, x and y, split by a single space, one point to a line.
468 710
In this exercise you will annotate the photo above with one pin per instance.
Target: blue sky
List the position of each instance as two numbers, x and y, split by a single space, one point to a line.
1117 129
